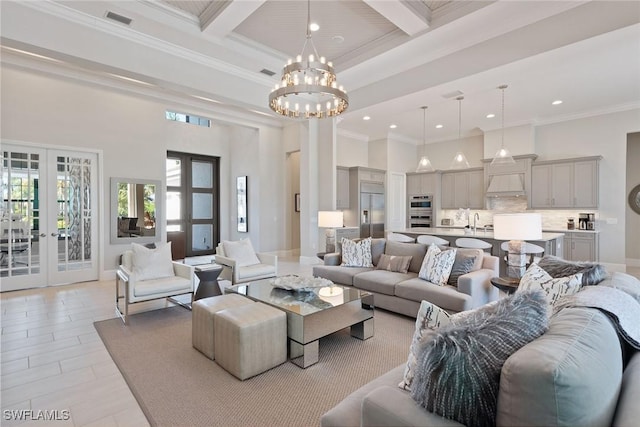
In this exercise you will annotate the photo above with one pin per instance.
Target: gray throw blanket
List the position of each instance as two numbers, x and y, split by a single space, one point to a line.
619 306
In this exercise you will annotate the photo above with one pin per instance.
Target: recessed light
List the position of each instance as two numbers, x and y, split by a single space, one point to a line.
490 116
557 102
314 27
393 126
337 39
366 118
439 126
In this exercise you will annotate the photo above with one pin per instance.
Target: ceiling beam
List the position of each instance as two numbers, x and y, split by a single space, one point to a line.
221 18
403 15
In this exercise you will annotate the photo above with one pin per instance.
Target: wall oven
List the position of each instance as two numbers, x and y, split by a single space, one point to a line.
421 202
420 212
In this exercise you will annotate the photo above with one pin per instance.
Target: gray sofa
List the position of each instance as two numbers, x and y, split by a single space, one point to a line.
579 373
402 293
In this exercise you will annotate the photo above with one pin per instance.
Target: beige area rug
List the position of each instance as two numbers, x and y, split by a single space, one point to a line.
176 385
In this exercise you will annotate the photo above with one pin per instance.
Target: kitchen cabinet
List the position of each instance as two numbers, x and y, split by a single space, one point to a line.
581 246
565 184
422 183
342 188
463 189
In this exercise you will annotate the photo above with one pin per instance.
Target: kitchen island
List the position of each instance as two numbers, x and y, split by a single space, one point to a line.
553 243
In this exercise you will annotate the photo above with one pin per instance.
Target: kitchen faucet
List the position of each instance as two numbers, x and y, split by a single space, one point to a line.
476 216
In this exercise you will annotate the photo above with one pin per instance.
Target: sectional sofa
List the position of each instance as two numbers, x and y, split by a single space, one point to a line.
403 292
578 373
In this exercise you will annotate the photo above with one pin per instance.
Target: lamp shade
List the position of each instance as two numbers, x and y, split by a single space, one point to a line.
330 219
517 226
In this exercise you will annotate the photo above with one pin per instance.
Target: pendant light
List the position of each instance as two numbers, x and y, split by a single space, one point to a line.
503 156
459 160
424 165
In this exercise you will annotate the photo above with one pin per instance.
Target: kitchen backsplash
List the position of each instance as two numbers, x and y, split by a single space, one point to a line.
551 219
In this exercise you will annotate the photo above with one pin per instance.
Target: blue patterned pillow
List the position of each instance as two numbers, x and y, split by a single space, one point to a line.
457 373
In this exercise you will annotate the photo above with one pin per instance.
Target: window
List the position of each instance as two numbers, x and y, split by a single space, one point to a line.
193 202
188 118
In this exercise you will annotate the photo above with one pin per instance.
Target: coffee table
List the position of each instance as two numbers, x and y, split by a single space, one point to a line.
313 314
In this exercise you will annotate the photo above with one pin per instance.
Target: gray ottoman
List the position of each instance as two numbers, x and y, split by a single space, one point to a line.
202 319
250 339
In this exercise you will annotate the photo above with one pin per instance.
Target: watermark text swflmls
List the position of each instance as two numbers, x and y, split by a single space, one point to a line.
36 415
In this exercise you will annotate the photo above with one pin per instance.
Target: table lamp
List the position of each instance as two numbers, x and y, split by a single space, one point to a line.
516 228
329 220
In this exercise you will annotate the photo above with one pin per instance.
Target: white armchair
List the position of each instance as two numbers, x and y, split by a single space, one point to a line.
149 274
240 263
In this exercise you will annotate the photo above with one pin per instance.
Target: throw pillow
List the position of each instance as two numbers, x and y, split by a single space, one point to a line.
241 251
554 289
436 266
461 265
356 254
457 374
149 263
429 317
399 264
592 274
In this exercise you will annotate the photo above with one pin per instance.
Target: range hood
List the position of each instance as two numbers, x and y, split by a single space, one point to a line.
508 185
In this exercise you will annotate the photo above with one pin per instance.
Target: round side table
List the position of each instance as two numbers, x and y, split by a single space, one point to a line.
506 284
208 275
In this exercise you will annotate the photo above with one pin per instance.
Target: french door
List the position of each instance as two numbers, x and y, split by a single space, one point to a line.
48 217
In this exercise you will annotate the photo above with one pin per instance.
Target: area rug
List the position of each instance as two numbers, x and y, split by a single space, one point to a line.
176 385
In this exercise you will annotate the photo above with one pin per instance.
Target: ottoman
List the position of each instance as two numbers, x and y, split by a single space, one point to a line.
202 319
250 339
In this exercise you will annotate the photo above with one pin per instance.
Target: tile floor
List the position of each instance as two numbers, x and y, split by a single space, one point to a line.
53 359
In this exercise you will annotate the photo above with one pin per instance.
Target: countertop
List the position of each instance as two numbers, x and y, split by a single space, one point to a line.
480 233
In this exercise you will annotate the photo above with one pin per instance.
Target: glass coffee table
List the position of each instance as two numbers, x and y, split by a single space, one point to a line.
314 313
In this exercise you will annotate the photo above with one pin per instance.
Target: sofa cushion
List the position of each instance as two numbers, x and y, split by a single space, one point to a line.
570 376
377 249
458 370
436 265
446 297
356 254
399 264
462 265
416 250
628 410
380 281
625 282
554 289
256 270
241 251
338 274
162 285
592 274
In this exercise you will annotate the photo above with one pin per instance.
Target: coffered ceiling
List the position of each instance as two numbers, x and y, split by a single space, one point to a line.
392 56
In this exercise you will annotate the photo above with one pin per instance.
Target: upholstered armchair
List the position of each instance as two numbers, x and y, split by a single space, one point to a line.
242 264
149 274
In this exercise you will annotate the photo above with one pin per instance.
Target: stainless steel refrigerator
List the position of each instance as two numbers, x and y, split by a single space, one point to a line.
371 210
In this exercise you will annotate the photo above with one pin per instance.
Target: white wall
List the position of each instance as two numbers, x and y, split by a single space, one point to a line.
351 151
134 136
632 222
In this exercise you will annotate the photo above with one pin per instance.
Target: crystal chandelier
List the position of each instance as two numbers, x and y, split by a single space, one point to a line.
503 156
424 165
459 160
308 87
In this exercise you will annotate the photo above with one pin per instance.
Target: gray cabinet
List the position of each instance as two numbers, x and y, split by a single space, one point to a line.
422 183
463 189
565 184
342 188
581 246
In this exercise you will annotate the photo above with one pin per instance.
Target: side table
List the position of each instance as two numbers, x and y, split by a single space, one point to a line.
506 284
208 275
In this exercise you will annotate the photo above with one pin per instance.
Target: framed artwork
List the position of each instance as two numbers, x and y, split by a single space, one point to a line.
241 192
296 202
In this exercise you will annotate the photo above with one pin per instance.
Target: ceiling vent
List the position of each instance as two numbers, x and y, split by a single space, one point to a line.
119 18
267 72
